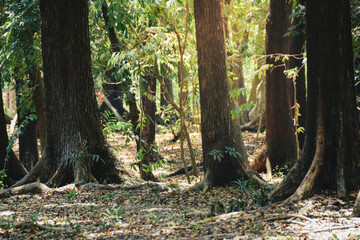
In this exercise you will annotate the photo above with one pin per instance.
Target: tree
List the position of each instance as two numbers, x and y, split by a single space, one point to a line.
9 163
113 90
75 148
280 135
148 130
331 155
297 43
224 154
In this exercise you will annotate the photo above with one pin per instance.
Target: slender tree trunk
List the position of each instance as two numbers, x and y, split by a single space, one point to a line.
148 135
112 89
296 48
28 149
75 149
168 84
218 141
12 166
280 135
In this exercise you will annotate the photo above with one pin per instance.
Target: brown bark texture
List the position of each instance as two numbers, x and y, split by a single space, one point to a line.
280 135
148 131
28 149
75 149
296 49
113 90
216 125
336 161
13 168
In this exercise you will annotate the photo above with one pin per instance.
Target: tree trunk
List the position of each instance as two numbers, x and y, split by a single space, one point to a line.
148 135
168 84
28 149
280 135
335 163
112 89
75 149
356 210
224 160
12 166
296 49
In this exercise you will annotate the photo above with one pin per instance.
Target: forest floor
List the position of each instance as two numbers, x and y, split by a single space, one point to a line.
232 212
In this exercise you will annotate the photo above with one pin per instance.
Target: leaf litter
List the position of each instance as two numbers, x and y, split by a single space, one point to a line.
231 212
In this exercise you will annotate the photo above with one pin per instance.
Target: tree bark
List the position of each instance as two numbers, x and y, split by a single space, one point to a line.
28 149
280 135
75 149
12 166
148 130
334 130
112 89
218 136
296 49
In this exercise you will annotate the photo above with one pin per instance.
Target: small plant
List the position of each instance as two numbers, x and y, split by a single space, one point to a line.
217 155
245 185
114 212
85 154
232 152
72 194
112 125
3 175
280 173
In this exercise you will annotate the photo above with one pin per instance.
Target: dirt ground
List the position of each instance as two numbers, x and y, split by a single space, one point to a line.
232 212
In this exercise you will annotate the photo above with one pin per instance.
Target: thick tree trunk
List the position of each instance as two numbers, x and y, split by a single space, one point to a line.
280 135
335 164
224 160
76 149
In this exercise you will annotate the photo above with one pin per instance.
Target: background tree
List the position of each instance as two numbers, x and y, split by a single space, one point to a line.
223 159
75 149
297 44
11 168
332 144
280 137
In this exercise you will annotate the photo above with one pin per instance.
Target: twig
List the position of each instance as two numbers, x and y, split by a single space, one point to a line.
335 228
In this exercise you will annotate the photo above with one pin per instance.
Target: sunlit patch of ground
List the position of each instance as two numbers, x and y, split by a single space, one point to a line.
232 212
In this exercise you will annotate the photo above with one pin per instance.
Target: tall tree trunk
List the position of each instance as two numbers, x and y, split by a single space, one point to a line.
296 49
220 165
12 166
335 163
168 84
28 149
112 89
280 135
148 135
235 65
75 149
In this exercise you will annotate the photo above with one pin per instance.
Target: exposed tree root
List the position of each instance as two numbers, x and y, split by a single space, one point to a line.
32 188
356 210
181 171
32 225
253 125
38 188
260 217
156 186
